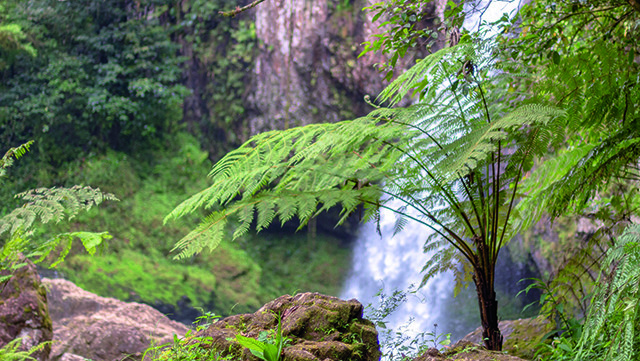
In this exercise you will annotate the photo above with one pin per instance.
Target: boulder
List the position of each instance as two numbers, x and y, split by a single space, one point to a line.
465 351
520 336
103 329
318 327
23 310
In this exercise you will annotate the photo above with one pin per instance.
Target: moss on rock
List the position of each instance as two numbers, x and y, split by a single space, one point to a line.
318 327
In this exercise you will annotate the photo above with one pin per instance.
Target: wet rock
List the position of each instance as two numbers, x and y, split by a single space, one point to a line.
71 357
319 327
103 329
465 351
23 310
520 336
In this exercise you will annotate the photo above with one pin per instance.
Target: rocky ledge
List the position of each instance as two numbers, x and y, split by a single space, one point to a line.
318 327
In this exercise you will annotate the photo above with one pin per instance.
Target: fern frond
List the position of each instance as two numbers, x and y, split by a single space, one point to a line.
11 154
51 205
611 322
414 78
11 351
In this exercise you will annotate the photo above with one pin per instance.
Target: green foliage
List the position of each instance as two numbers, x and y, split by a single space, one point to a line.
231 67
13 42
405 28
188 349
131 275
11 352
611 328
7 158
221 53
585 55
205 320
45 205
265 350
106 74
50 205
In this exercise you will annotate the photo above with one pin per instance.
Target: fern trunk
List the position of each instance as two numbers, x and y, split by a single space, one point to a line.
488 309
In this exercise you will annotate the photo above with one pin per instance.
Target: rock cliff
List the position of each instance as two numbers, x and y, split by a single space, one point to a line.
282 64
307 68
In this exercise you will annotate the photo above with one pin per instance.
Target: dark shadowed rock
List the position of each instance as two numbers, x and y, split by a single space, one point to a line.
103 329
320 328
520 336
23 310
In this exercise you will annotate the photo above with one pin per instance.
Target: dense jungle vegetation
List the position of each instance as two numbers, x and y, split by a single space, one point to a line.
532 119
98 87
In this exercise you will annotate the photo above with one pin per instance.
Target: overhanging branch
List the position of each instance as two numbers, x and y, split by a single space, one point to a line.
238 10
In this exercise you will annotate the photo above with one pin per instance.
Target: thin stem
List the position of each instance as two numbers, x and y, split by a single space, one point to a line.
238 10
450 198
494 236
459 243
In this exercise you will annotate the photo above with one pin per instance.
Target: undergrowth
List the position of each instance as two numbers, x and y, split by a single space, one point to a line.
137 265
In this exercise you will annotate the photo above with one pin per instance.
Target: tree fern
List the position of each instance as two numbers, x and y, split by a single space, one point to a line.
451 162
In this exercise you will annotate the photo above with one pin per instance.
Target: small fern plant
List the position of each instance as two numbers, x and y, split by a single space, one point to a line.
451 163
266 350
44 205
13 352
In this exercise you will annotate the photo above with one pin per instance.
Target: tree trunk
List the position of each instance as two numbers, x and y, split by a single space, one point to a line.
488 311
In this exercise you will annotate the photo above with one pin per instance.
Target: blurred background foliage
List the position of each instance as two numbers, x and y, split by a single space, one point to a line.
138 98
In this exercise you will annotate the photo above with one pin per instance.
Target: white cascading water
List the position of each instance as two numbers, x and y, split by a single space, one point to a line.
389 263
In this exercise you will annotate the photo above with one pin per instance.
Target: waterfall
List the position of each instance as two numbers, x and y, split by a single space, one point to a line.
386 262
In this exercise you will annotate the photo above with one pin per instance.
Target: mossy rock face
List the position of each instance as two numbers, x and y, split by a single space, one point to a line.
466 351
319 327
23 310
520 336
